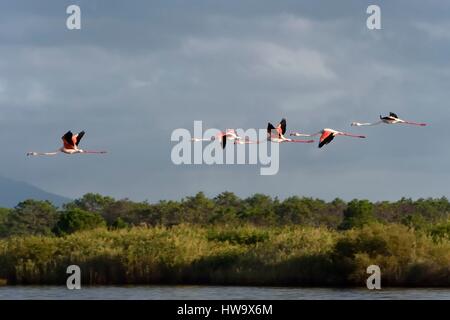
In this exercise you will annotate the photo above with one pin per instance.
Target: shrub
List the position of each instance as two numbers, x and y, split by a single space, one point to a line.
441 231
240 236
4 213
77 220
247 255
357 214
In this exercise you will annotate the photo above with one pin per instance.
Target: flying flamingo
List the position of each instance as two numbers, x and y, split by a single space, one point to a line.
223 136
392 118
70 146
326 135
277 134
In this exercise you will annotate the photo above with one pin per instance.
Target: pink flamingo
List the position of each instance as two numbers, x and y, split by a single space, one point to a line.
392 118
326 135
277 134
70 146
223 136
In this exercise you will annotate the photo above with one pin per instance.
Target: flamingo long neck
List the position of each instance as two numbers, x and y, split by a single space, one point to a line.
359 124
52 153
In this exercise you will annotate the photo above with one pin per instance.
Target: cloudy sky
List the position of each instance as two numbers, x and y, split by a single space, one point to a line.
137 70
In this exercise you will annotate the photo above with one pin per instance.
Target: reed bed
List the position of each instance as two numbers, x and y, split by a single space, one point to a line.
244 255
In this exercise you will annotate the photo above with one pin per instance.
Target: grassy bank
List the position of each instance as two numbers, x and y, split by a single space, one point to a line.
246 255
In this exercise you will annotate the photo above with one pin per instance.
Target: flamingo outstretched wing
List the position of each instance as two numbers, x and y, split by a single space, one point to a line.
224 141
77 138
326 138
282 126
270 130
67 139
391 114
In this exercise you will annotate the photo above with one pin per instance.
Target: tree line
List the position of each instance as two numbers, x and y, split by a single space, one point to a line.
32 217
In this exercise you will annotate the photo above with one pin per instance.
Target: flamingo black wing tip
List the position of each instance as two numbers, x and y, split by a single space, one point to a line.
392 114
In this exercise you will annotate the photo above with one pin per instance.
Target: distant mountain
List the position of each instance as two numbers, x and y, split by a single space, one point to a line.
12 192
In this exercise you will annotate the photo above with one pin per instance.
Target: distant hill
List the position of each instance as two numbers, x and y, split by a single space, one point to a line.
12 192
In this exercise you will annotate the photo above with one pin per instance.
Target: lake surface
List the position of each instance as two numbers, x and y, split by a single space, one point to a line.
216 293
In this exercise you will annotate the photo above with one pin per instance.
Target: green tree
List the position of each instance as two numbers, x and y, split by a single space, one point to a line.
294 210
76 220
441 231
226 207
32 217
170 212
358 214
259 209
228 199
130 212
416 221
433 210
4 213
119 223
198 209
92 202
334 214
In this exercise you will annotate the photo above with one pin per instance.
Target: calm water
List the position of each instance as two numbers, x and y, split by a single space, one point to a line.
216 293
